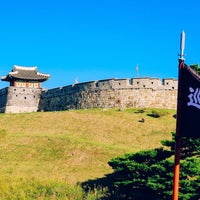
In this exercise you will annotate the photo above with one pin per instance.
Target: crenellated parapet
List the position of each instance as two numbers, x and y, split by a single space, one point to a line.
111 93
108 93
106 84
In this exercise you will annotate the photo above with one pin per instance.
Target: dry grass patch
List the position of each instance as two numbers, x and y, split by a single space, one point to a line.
75 145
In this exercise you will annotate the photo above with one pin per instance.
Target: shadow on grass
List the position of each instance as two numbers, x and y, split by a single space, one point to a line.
153 115
117 192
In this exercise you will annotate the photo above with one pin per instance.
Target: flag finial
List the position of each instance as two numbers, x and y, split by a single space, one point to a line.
182 45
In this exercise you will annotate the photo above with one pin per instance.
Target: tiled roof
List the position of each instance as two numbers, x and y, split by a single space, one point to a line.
25 73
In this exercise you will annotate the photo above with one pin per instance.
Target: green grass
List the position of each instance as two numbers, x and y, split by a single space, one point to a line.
73 146
31 189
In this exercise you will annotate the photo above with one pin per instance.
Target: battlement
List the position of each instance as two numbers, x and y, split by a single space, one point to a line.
108 93
111 93
113 83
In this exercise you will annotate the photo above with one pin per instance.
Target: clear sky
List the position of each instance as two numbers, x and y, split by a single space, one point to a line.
97 39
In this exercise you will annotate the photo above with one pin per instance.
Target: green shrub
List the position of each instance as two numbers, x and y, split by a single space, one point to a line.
149 174
159 113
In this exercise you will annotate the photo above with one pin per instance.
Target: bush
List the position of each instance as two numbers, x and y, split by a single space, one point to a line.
149 174
159 113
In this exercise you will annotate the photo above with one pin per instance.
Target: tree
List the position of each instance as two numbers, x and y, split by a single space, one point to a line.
149 174
196 68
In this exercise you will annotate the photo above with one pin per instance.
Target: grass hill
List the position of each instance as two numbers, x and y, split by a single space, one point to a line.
74 146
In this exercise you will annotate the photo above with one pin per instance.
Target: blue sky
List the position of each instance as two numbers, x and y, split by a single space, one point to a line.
97 39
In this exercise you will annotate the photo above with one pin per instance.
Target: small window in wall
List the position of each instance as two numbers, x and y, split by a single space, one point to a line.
23 90
119 83
151 82
34 96
16 95
36 85
138 82
143 85
31 85
172 87
167 83
19 84
24 97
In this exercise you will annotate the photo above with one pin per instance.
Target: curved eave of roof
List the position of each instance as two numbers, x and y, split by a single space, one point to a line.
40 77
4 78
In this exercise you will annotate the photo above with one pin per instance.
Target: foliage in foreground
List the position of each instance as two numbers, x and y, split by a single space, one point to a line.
31 189
149 174
196 68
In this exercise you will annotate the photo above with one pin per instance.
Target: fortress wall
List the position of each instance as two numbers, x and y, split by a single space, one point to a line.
170 83
3 99
109 93
121 83
153 83
19 99
105 84
109 98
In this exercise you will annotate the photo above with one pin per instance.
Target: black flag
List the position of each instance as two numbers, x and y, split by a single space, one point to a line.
188 102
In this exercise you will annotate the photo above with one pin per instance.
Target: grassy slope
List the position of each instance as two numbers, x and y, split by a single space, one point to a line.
75 146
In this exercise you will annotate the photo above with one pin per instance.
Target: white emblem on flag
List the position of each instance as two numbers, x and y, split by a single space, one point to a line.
194 97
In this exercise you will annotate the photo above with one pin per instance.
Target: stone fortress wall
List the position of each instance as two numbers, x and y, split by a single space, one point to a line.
19 99
109 93
112 93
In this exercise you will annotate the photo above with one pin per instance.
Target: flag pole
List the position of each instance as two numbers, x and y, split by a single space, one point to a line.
178 115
